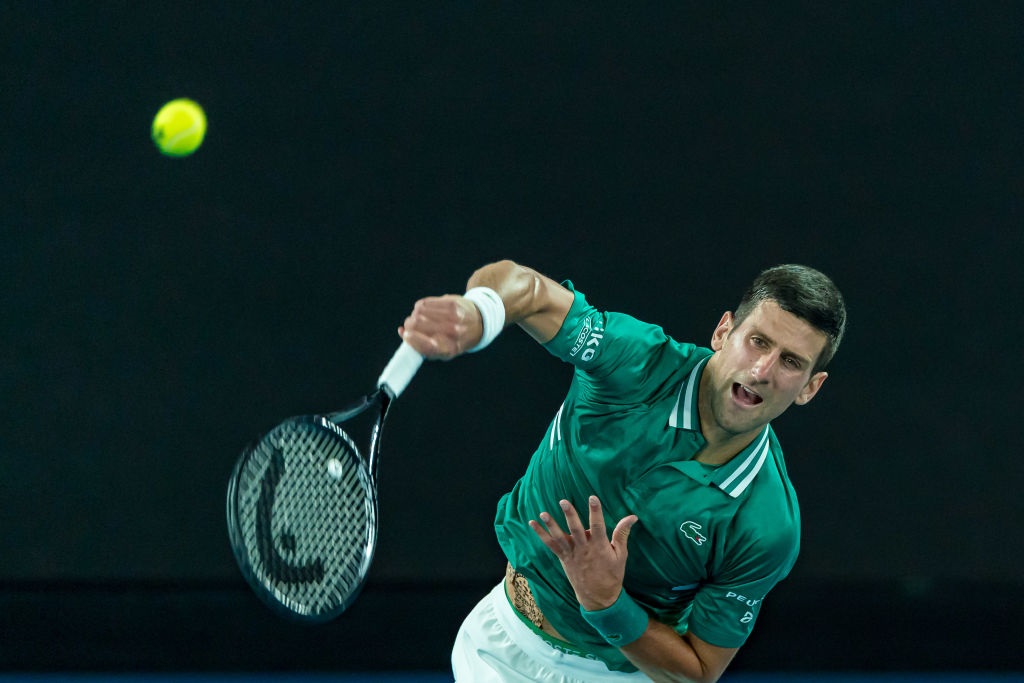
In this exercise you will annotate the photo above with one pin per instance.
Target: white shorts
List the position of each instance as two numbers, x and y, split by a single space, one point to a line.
495 646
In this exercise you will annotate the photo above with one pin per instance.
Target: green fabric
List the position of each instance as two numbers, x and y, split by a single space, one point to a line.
710 542
621 623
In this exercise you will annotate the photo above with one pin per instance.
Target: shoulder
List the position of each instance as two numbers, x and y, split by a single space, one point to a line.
601 341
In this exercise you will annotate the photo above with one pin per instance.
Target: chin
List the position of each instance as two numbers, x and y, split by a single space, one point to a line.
745 420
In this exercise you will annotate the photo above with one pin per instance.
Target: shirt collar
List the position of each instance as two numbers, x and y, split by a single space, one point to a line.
735 476
684 414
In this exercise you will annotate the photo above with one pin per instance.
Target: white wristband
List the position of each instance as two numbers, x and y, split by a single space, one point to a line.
492 313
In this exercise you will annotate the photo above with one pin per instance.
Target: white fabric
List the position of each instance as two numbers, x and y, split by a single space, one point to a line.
495 646
492 314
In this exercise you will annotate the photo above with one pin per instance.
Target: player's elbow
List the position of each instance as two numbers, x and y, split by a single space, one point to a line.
535 302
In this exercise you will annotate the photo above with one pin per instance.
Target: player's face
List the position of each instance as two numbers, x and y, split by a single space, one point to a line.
762 366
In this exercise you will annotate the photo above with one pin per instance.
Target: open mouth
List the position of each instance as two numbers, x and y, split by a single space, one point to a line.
745 396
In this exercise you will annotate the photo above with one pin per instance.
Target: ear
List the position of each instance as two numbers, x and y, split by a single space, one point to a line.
721 331
811 388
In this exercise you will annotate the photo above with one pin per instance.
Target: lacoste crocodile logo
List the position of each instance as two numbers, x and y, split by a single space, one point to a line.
692 532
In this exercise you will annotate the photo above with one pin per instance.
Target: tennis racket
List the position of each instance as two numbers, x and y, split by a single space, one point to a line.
302 502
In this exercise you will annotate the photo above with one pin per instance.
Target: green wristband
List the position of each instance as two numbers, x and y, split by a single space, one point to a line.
620 624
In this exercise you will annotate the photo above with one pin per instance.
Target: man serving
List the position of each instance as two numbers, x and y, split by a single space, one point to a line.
656 513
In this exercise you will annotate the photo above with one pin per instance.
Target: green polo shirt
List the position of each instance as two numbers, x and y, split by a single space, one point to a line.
710 542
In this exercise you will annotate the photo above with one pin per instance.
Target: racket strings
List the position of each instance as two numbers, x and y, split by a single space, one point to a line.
306 516
278 568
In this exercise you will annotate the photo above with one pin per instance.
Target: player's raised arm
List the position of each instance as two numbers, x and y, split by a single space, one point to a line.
497 294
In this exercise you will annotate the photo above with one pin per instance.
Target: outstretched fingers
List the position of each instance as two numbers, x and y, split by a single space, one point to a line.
572 520
551 534
620 535
597 527
562 542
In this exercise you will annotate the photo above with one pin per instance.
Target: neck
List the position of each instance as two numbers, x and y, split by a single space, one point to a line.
720 445
722 452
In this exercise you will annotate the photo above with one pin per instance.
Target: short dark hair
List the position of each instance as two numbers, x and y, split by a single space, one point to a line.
806 293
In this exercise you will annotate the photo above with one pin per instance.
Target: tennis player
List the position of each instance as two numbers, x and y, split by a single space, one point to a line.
656 513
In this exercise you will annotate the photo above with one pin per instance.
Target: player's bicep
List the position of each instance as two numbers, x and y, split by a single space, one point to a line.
667 656
534 301
552 302
714 659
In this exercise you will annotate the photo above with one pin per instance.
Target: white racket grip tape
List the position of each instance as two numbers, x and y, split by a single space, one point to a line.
400 370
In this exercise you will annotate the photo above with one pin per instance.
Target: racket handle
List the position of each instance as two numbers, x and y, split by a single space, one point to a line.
400 370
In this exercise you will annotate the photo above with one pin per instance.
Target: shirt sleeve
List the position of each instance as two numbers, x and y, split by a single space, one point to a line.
614 353
724 610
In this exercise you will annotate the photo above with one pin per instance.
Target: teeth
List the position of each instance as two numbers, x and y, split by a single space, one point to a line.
752 396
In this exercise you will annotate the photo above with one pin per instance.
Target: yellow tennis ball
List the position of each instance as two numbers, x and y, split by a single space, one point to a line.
179 127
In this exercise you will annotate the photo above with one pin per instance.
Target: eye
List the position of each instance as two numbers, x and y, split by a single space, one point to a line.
758 342
792 363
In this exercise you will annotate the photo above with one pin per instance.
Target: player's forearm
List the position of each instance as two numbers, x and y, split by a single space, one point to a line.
536 303
666 657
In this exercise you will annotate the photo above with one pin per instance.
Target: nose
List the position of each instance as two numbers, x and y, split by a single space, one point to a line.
762 369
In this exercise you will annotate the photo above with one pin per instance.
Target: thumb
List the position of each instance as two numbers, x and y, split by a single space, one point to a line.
620 536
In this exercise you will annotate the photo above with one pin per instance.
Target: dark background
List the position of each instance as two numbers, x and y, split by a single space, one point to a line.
159 313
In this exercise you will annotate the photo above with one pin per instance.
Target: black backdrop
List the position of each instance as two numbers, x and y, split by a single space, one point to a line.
159 313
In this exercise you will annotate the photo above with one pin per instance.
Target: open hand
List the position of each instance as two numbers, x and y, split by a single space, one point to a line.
594 564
